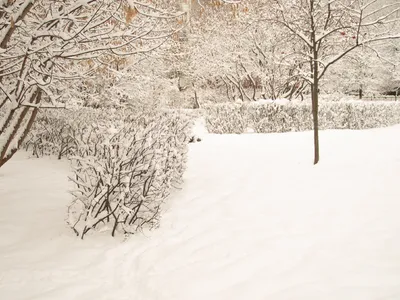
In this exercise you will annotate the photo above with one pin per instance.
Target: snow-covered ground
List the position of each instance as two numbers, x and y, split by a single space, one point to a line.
254 220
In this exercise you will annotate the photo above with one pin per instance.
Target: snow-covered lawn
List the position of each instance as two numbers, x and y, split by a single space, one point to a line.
254 220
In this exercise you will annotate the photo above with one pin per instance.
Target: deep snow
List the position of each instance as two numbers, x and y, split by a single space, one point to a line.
254 220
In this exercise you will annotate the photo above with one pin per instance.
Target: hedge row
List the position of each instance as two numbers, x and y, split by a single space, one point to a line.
266 118
124 164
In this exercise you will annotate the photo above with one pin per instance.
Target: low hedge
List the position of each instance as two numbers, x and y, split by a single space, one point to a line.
124 163
266 118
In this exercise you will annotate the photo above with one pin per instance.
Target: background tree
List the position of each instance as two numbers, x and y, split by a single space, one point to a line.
359 74
391 86
230 57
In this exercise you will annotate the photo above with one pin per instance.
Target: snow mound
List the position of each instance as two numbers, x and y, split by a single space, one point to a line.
199 128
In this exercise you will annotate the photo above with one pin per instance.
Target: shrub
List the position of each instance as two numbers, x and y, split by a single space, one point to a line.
123 178
265 118
124 163
57 132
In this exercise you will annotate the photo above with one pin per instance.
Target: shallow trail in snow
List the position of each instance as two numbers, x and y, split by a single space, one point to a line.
254 220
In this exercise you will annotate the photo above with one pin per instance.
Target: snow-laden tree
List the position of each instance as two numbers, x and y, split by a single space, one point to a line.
226 55
215 58
45 44
359 74
392 85
328 31
269 64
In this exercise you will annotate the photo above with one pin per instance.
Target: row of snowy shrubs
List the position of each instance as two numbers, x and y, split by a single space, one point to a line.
124 164
265 118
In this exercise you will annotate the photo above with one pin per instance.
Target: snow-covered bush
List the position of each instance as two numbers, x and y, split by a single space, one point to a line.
124 162
63 133
50 136
359 115
121 181
265 118
279 118
58 132
227 118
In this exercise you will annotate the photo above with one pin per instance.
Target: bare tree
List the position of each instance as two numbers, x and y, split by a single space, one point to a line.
328 31
45 43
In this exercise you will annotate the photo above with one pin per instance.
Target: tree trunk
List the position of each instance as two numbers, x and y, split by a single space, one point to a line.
196 100
20 128
315 88
314 101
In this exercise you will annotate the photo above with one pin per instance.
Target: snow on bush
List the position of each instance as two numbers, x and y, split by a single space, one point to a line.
226 118
50 136
124 163
63 133
274 117
121 181
58 132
